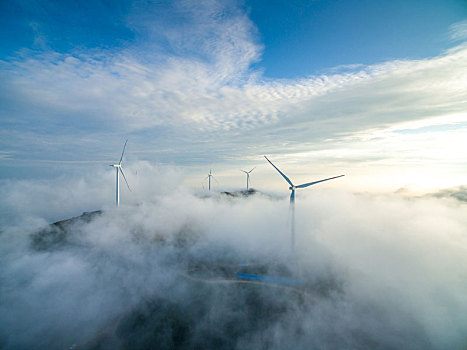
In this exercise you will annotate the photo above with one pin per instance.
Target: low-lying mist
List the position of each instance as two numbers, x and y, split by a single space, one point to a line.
375 271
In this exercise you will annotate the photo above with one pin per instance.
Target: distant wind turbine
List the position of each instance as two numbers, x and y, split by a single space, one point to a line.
209 179
118 168
292 188
248 176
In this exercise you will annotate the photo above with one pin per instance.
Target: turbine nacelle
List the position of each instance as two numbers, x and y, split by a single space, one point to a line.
292 188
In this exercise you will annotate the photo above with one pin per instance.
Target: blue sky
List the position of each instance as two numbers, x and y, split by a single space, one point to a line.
373 89
306 37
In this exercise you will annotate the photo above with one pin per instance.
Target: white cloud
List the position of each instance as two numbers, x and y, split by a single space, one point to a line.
222 94
458 31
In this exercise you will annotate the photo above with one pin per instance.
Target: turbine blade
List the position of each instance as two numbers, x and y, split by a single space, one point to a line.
124 177
252 169
315 182
280 172
246 172
292 196
120 162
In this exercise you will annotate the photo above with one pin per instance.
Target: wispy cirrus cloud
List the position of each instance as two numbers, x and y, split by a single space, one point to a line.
458 31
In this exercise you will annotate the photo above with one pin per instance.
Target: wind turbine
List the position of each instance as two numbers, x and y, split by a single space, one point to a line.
118 168
209 179
292 188
248 176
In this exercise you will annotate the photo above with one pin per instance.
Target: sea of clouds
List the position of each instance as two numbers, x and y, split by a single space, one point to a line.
393 268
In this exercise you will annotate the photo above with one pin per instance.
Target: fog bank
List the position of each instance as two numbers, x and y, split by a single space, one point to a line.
377 271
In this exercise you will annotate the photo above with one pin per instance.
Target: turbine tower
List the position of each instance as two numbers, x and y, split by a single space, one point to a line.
248 176
118 168
292 189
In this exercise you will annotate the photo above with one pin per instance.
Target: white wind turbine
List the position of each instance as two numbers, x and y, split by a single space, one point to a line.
209 179
292 188
248 176
118 168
